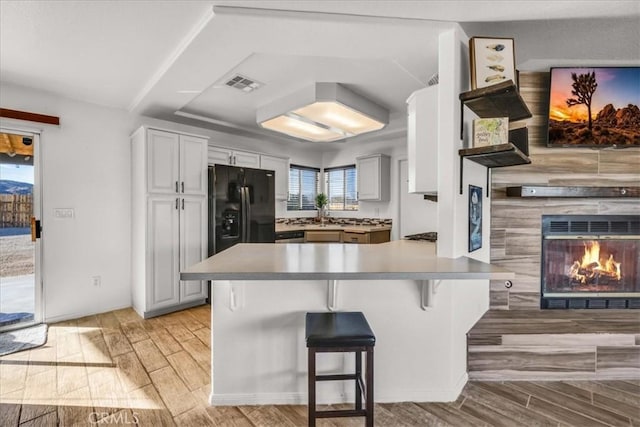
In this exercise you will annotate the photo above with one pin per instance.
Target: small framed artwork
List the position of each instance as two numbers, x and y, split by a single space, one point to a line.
490 131
475 218
493 61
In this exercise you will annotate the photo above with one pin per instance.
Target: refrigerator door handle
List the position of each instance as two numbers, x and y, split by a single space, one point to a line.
243 202
247 218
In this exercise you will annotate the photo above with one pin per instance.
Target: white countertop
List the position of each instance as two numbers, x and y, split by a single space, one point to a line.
399 259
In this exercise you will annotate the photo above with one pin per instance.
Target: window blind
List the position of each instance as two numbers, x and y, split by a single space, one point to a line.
304 185
341 188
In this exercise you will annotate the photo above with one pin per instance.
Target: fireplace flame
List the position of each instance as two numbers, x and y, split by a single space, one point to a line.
592 267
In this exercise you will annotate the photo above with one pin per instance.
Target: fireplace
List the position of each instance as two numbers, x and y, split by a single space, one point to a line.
590 261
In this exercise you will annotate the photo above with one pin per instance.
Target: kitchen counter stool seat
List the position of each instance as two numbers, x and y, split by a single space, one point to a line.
341 332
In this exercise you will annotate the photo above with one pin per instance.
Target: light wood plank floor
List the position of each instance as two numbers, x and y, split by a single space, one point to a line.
117 369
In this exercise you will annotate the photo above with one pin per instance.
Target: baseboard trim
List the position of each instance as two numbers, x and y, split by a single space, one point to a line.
552 376
258 399
171 309
449 395
79 314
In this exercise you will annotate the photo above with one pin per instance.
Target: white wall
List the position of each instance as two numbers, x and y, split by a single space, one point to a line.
557 42
85 166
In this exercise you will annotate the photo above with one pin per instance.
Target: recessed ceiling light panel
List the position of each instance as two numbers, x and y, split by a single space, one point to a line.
326 112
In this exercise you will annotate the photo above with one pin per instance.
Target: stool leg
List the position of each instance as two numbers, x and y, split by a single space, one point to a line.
311 378
369 394
358 375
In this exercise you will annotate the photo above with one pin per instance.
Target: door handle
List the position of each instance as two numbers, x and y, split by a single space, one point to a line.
35 229
176 186
182 186
182 204
177 201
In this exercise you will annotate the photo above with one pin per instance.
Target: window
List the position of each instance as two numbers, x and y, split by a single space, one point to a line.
340 185
304 183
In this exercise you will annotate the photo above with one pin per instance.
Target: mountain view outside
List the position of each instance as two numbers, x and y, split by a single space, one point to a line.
17 260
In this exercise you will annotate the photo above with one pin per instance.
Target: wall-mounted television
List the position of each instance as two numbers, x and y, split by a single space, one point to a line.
594 107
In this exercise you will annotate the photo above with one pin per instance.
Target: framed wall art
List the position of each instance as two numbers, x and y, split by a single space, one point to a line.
475 218
493 61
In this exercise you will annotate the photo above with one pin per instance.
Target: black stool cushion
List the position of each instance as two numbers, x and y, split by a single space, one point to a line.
341 329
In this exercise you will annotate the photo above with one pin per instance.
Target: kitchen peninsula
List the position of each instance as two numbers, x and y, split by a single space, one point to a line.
419 305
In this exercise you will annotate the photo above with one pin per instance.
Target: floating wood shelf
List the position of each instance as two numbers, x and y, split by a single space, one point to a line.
572 191
492 156
499 100
496 156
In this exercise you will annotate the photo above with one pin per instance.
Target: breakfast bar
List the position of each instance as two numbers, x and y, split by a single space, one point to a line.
419 305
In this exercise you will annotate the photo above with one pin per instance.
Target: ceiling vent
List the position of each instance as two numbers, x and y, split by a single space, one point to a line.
243 83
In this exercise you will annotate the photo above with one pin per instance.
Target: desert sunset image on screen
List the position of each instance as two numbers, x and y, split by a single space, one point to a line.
594 106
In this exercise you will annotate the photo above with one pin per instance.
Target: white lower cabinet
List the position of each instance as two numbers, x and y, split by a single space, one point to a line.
176 230
163 232
193 245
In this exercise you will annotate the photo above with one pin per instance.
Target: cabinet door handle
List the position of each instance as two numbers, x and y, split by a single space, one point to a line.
182 186
235 160
176 186
177 201
230 159
182 204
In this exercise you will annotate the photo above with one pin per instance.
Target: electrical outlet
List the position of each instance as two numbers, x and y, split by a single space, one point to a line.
96 281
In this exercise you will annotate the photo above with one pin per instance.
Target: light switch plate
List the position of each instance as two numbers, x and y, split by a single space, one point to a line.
63 213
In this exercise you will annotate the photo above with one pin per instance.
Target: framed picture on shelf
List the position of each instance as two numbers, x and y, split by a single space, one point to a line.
493 60
490 131
475 218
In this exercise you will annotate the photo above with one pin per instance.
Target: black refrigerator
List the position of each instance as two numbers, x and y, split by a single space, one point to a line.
241 206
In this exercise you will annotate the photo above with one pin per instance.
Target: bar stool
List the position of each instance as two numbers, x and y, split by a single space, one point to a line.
341 332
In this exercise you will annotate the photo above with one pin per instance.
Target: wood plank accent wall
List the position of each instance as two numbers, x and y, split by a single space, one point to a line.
515 222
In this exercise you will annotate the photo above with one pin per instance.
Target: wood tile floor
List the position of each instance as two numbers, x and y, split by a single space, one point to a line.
117 369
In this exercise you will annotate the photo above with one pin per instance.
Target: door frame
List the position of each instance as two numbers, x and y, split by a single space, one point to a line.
36 134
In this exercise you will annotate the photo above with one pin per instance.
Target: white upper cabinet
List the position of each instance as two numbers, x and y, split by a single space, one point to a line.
373 177
163 162
422 140
176 163
281 167
225 156
219 156
246 159
193 165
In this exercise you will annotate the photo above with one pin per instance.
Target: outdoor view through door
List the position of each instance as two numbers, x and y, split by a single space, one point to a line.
18 245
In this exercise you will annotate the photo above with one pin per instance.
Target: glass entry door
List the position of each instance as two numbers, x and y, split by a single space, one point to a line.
20 289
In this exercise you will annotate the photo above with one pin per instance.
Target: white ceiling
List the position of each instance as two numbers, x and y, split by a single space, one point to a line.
159 58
